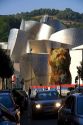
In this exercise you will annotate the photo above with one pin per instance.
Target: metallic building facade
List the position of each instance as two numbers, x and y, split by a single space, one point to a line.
53 23
36 31
34 68
72 36
30 46
17 43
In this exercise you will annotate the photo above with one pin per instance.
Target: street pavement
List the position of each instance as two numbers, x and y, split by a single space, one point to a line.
26 119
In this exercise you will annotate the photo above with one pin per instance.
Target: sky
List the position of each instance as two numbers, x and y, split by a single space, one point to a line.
8 7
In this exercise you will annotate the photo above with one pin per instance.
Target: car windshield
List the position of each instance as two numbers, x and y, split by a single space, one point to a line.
6 100
80 105
49 95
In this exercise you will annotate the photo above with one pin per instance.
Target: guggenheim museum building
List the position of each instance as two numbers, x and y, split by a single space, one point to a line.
30 46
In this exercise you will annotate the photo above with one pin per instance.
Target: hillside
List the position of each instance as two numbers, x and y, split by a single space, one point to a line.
68 17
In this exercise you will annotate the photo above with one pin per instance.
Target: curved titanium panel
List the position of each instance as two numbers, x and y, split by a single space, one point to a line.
37 46
12 39
27 25
17 44
36 30
56 24
3 45
78 48
72 36
35 67
43 46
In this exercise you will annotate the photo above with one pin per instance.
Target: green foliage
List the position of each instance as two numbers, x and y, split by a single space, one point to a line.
68 14
6 23
6 66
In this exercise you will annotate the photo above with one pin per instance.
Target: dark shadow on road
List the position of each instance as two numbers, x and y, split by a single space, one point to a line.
44 117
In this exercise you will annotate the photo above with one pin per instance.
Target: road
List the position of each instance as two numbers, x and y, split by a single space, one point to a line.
44 121
27 120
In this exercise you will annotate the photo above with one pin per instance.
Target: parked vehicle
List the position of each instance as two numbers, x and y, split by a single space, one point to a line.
71 112
77 90
47 102
6 118
7 100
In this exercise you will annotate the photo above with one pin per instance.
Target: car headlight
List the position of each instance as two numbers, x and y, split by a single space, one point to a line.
38 106
58 104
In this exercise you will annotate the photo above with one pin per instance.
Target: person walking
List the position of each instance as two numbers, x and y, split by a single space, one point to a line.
29 92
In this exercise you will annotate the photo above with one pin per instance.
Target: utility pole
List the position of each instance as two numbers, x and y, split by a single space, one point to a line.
31 64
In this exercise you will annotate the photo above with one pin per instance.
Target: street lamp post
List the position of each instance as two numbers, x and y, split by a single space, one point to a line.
31 64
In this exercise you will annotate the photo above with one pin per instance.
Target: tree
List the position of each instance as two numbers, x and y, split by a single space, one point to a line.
6 66
60 61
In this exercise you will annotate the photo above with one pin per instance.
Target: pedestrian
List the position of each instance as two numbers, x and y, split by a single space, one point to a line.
29 92
76 81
